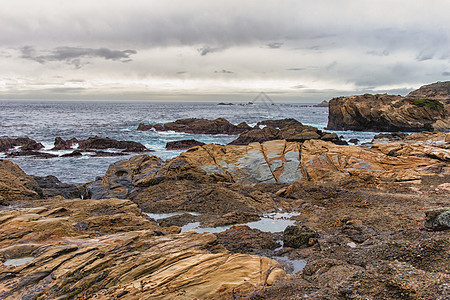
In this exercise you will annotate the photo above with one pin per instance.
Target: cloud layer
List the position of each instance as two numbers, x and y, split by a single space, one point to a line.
200 47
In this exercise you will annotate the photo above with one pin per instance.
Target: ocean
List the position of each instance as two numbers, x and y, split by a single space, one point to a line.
45 120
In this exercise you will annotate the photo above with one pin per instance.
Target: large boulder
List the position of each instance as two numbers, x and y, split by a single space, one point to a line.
24 144
199 126
384 112
298 236
15 185
107 143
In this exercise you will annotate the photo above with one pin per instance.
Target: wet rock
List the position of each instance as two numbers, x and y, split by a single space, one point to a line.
243 239
353 141
389 137
178 220
437 219
285 129
100 143
199 126
35 154
383 113
183 144
76 153
61 144
51 186
15 185
25 144
298 236
234 217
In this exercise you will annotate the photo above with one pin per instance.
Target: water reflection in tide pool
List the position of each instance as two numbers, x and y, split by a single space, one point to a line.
268 223
18 261
294 265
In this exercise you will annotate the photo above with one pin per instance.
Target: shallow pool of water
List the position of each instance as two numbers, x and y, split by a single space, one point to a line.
294 264
18 261
168 215
275 222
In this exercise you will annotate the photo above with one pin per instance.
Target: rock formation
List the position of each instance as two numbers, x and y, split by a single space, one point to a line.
285 129
385 113
24 144
183 144
107 249
199 126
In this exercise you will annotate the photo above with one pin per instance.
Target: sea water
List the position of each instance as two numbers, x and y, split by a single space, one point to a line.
45 120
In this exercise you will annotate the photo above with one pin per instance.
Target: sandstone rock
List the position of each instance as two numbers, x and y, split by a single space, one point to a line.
107 143
104 249
437 219
23 143
15 185
183 144
383 113
199 126
298 236
435 91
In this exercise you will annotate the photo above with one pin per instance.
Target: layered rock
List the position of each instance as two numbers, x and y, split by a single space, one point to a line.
106 249
278 161
15 185
199 126
384 113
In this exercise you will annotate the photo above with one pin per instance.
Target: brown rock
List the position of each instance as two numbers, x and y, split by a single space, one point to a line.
199 126
15 185
243 239
104 249
107 143
383 113
24 143
183 144
61 144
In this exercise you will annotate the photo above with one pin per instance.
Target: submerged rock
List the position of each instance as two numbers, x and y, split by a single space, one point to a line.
107 143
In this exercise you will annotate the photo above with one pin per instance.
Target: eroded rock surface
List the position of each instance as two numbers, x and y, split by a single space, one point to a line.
105 248
384 112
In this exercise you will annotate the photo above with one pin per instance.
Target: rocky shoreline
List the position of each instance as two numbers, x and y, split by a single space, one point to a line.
368 221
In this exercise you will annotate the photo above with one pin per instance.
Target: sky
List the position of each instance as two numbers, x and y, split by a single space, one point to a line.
220 50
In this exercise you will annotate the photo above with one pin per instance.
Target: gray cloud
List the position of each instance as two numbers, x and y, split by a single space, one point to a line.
445 73
295 69
206 50
275 45
73 55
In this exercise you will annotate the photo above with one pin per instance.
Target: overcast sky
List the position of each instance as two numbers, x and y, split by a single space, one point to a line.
304 51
